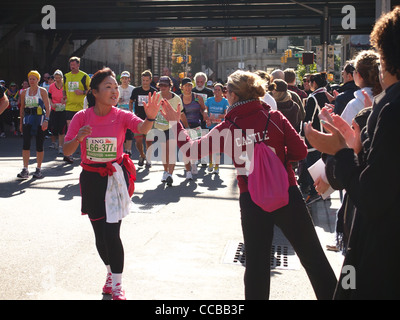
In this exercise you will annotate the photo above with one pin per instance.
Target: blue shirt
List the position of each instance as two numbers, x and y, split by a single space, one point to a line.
215 109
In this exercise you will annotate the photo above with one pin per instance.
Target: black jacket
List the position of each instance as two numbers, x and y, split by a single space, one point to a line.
374 188
313 110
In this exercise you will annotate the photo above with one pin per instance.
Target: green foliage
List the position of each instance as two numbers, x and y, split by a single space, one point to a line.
302 69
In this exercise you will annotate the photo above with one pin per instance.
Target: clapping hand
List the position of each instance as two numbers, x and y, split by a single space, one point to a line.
352 134
329 143
169 113
340 135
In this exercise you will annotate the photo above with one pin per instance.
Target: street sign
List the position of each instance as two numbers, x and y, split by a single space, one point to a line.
208 72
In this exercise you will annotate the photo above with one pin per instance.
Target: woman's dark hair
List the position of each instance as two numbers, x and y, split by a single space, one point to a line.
385 37
349 68
321 79
97 78
367 65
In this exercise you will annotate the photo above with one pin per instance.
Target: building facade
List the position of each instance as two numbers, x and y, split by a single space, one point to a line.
27 51
251 53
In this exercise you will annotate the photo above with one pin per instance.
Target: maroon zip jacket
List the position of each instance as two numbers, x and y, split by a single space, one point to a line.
227 138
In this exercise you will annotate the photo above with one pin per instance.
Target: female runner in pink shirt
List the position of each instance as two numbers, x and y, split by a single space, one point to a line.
100 131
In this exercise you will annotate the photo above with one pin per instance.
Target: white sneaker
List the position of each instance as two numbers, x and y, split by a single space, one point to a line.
164 176
194 168
189 175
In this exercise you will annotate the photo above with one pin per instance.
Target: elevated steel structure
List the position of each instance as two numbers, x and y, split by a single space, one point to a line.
121 19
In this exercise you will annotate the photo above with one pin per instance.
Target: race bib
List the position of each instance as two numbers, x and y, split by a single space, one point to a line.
59 107
214 117
101 149
142 98
195 133
73 85
203 95
31 102
161 120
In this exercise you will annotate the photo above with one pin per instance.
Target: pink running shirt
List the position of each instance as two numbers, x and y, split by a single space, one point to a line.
56 94
110 128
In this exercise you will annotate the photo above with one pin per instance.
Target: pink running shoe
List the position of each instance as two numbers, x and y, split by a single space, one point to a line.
118 293
107 289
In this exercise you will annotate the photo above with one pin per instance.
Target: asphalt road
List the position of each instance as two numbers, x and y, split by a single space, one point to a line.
180 242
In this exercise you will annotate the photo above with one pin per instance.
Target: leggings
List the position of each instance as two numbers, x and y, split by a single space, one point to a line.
109 244
295 222
27 137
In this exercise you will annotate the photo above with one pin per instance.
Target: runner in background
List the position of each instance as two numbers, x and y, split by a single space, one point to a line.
125 92
200 79
45 84
76 84
3 100
176 88
165 84
138 97
195 111
13 116
58 122
216 109
34 121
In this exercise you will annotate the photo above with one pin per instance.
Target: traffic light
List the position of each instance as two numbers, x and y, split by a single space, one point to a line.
179 59
189 59
290 53
308 58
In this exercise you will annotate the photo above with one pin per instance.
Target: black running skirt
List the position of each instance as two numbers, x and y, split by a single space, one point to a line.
93 192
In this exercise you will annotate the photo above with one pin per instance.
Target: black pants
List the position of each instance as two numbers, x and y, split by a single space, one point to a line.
305 179
295 222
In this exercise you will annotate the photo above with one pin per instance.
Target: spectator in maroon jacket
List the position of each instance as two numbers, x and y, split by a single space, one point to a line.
290 78
247 112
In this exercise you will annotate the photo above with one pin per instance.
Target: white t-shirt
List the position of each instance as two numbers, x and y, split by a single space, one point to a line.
124 96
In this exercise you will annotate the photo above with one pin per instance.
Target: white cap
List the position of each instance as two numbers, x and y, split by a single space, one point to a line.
125 74
59 72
